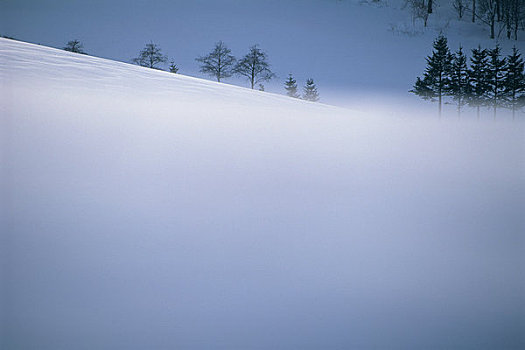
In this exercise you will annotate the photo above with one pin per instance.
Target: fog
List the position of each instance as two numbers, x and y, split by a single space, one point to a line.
204 216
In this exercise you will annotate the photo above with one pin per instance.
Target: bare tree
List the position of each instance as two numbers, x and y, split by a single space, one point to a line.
218 63
418 9
74 46
514 16
254 66
150 56
460 7
488 12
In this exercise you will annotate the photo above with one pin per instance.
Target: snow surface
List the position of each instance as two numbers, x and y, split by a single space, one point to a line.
146 210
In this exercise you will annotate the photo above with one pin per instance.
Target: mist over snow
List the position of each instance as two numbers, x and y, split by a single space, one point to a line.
147 210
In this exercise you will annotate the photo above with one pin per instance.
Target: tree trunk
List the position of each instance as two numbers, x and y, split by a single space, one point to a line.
492 23
477 111
252 80
219 69
516 29
429 8
473 11
440 105
495 102
513 104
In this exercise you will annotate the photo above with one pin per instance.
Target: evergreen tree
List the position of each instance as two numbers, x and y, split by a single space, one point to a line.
173 67
150 56
496 70
218 63
310 91
514 81
74 46
436 78
458 87
291 87
261 87
477 75
254 66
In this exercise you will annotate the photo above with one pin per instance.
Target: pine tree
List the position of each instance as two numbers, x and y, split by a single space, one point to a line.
74 46
173 67
458 87
477 75
291 87
218 63
436 78
514 81
310 91
254 66
496 70
150 56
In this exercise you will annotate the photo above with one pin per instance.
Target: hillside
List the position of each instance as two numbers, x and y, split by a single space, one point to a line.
355 50
146 210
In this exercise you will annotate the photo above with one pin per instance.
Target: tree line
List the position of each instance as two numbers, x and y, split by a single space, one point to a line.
220 64
509 15
490 80
254 66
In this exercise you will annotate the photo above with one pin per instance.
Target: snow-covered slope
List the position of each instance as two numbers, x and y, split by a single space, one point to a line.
145 210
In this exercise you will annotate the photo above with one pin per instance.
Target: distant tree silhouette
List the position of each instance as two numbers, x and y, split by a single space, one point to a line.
74 46
173 67
436 78
514 81
291 87
458 86
254 66
218 63
310 91
150 56
477 75
496 70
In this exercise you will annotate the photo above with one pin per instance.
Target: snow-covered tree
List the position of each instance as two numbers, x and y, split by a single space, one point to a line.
291 87
496 70
436 78
74 46
514 81
173 67
218 63
310 91
150 56
254 66
478 80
